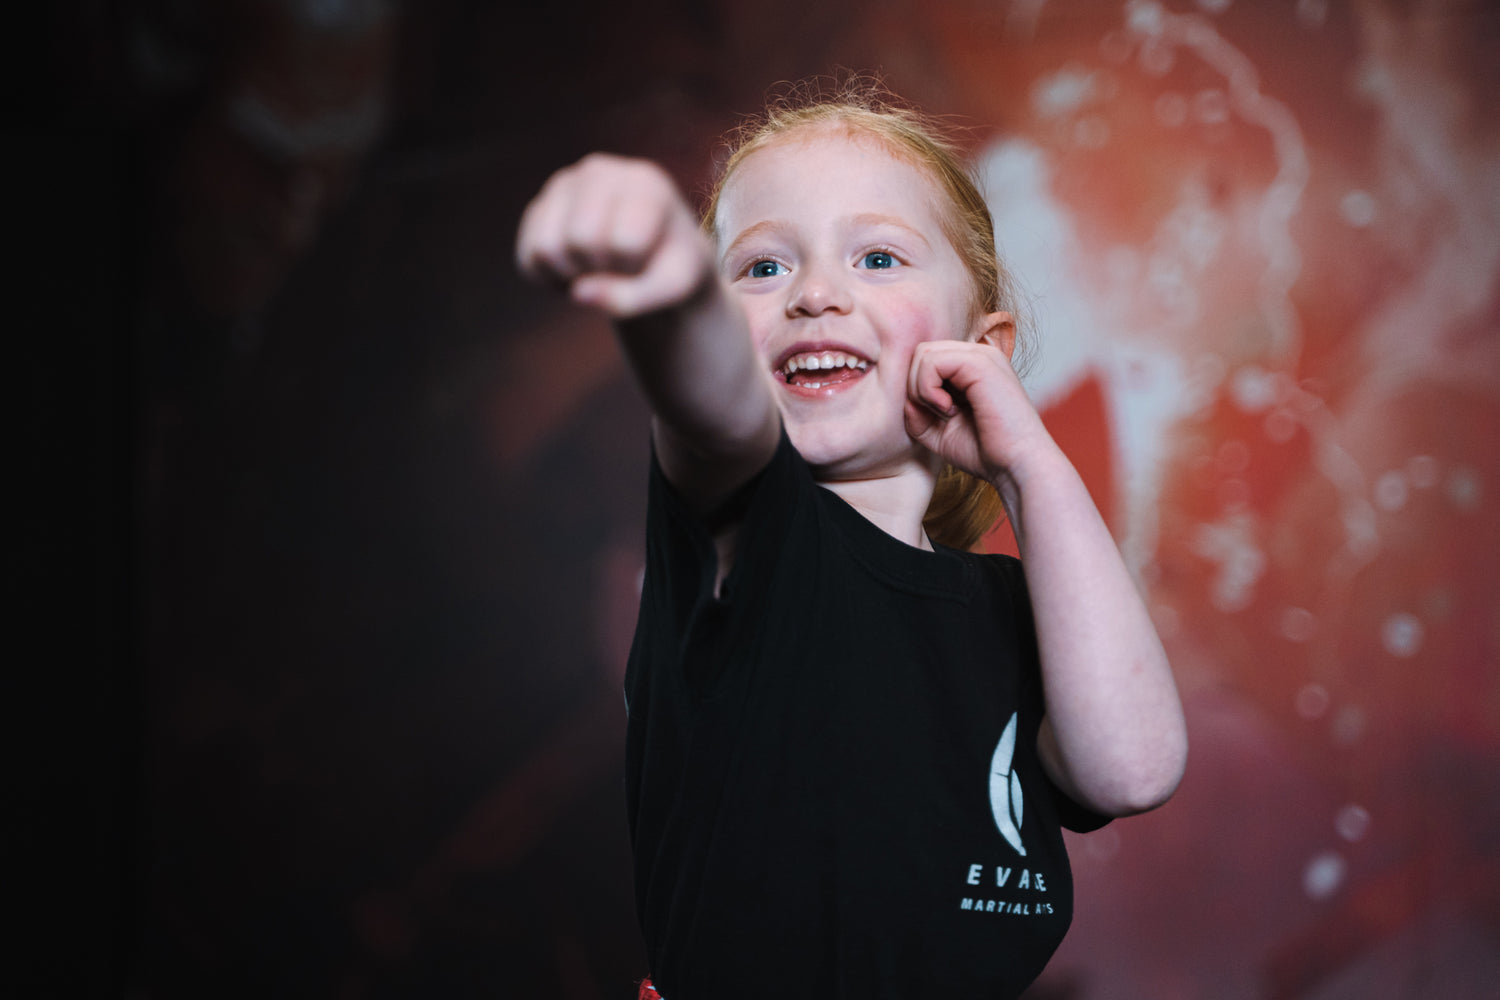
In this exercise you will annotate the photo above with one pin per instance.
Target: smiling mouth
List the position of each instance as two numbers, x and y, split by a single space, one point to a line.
822 369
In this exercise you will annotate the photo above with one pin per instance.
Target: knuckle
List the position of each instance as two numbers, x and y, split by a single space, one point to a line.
649 170
596 161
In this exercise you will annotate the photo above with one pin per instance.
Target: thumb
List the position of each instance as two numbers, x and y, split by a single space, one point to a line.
677 270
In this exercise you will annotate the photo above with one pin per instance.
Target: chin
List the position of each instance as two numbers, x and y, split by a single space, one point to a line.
821 447
834 453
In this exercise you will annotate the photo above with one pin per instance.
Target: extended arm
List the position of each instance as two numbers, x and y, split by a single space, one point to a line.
618 236
1114 737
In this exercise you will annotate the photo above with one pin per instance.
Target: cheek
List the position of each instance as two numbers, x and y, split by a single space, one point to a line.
911 323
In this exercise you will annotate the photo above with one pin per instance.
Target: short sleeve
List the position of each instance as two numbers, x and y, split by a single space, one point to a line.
1071 814
683 625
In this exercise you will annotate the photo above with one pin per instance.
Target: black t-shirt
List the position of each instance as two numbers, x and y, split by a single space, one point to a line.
832 780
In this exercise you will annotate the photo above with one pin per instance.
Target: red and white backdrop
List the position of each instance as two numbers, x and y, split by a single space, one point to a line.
389 498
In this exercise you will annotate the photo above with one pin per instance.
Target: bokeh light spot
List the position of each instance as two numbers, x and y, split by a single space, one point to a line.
1402 634
1390 491
1352 822
1323 875
1312 701
1357 208
1298 624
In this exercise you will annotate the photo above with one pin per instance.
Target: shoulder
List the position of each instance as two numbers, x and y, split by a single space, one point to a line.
999 573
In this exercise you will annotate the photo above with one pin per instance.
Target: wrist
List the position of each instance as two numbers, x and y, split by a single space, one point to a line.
700 303
1037 467
1028 462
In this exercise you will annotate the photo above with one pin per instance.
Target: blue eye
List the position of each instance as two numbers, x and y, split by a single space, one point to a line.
878 260
766 269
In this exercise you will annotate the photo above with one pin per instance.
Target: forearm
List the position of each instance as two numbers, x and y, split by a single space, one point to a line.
1114 735
715 422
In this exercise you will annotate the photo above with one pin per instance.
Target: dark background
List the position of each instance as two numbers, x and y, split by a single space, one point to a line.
325 556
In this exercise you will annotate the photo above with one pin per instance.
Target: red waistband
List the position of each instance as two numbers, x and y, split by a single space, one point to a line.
648 992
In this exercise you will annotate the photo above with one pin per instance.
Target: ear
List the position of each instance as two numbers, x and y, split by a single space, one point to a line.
998 329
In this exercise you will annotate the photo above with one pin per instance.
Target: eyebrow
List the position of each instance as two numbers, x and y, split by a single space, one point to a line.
864 219
875 219
754 232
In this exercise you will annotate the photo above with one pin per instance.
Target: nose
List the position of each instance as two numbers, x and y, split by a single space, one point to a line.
815 290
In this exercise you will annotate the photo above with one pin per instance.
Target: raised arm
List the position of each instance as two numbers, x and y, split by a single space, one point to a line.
1114 736
618 236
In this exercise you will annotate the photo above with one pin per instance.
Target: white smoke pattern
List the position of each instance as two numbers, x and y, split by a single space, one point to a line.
1440 183
1157 30
1149 388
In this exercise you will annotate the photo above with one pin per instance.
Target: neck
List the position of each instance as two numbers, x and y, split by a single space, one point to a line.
894 503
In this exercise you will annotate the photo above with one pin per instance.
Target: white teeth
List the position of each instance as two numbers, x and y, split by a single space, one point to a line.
826 361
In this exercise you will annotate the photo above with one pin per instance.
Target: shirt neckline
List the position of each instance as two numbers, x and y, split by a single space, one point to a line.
943 572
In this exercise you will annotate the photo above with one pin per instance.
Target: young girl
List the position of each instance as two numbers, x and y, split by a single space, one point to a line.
852 744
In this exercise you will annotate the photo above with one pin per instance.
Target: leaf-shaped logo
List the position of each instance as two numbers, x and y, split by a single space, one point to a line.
1005 789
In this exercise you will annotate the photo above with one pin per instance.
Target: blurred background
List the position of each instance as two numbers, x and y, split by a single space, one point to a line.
331 527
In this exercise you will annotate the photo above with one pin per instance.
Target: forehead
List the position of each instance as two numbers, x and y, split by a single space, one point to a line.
827 169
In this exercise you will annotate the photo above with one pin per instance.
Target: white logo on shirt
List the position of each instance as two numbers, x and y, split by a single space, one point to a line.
1005 789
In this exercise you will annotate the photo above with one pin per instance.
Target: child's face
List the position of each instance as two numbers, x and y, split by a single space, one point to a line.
835 249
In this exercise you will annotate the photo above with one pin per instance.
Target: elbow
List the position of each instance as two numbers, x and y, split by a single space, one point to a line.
1141 798
1119 779
1147 786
